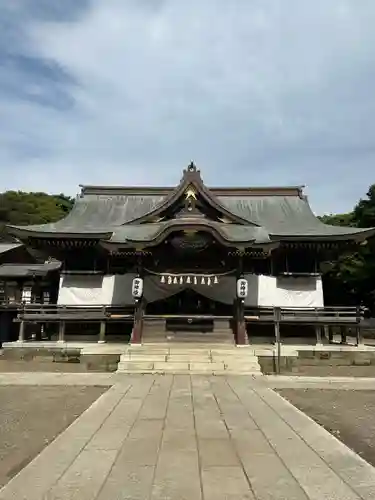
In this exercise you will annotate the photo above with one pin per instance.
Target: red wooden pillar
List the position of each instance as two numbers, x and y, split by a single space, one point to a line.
242 338
136 337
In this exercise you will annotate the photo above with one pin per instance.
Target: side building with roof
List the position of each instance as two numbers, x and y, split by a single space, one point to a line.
191 244
24 278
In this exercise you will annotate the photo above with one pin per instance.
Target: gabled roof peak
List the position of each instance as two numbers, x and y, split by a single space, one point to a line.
189 188
191 174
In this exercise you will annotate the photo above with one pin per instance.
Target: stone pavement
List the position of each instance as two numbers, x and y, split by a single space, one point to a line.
187 437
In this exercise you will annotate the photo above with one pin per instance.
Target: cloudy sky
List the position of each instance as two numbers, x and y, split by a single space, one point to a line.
256 92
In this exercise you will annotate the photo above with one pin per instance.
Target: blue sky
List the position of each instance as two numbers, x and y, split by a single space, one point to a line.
128 92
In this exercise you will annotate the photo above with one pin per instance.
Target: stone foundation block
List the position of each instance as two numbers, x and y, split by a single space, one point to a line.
100 362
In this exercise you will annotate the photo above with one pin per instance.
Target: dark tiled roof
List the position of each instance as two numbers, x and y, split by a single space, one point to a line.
25 270
7 247
280 213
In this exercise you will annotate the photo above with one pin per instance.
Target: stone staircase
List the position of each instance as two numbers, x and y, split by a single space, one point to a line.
155 332
189 359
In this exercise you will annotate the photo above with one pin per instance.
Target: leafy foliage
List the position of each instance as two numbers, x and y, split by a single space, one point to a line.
20 209
339 219
364 211
351 278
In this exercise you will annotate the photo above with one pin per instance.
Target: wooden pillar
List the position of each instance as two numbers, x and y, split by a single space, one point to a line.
343 334
277 318
61 331
136 337
358 329
330 334
318 333
234 322
21 336
242 338
102 329
102 333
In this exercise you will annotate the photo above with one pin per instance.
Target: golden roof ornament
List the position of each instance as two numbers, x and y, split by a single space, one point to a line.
190 193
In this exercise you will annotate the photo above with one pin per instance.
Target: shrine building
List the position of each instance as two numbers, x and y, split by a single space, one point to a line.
191 258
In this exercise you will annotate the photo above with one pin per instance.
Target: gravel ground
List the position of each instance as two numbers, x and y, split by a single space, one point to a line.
348 414
31 417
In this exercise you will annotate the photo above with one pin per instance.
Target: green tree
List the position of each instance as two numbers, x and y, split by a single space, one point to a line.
22 209
351 278
364 211
339 219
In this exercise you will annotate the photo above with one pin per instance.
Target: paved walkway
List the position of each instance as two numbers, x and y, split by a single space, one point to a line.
190 437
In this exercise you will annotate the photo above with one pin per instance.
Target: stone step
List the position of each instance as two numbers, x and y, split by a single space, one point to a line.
171 366
188 357
154 335
146 357
201 340
233 357
205 367
235 351
188 367
148 350
190 350
242 368
135 365
147 366
210 358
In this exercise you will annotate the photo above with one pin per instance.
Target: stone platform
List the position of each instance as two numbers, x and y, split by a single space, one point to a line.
206 358
195 359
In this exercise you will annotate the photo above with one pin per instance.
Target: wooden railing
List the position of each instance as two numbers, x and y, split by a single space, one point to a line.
308 316
52 313
84 313
103 314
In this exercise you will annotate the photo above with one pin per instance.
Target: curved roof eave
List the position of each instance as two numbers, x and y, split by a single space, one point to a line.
358 235
23 232
161 231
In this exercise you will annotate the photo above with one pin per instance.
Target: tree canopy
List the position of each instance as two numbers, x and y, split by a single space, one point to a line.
20 209
351 278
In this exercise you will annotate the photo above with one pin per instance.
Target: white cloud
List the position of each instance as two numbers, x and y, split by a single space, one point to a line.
254 91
